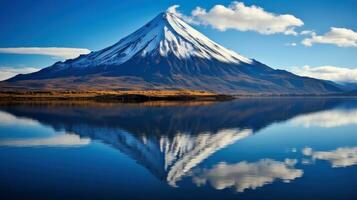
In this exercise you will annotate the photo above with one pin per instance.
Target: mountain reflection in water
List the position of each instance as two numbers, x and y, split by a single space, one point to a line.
170 141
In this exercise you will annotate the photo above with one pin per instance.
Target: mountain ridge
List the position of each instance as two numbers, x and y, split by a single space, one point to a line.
167 53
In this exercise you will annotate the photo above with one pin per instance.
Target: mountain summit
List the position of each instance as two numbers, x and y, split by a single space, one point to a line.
165 36
167 53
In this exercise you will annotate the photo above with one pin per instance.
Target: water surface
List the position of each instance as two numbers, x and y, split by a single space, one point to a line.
270 148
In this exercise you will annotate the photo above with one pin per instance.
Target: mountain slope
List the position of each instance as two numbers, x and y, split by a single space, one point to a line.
167 53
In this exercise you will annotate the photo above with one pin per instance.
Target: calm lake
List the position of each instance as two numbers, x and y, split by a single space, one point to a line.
268 148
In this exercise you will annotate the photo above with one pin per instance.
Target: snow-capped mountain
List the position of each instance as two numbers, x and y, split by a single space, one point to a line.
167 53
165 35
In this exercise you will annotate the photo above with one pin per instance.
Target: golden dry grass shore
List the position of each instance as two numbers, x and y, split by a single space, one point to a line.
114 95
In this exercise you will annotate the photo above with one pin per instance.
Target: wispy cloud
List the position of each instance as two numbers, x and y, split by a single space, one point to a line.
292 44
245 175
307 32
8 72
341 37
333 73
244 18
340 157
60 52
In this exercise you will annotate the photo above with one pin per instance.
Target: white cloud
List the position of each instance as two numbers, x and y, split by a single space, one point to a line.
307 32
61 140
244 175
291 31
327 119
293 44
246 18
8 72
173 9
341 37
333 73
60 52
341 157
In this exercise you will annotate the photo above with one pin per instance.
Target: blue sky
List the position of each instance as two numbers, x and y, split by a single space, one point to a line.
97 24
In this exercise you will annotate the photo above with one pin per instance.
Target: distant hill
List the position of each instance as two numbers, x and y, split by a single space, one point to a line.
167 53
347 86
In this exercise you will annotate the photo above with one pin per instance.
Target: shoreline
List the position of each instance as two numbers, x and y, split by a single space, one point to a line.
132 96
114 96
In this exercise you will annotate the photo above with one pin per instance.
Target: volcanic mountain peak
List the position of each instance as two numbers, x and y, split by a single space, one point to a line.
167 53
165 35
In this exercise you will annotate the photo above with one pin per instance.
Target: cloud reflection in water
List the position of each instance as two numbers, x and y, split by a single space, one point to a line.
340 157
328 119
7 119
245 175
60 140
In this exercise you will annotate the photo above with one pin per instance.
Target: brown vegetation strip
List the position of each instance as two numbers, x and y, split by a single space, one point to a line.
121 96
